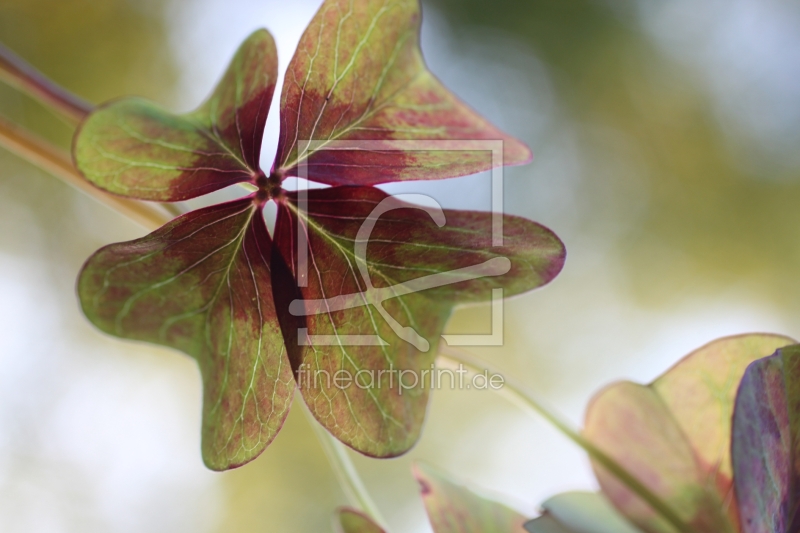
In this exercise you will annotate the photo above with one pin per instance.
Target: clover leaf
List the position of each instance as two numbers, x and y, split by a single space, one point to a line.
451 507
674 436
579 512
766 444
352 280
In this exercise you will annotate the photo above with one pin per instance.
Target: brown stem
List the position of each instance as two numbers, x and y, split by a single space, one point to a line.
17 72
55 161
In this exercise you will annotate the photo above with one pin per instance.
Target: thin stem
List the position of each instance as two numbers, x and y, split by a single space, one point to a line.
346 473
517 394
17 72
55 161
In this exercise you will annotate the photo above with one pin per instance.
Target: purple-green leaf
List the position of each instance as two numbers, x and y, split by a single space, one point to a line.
579 512
352 521
674 436
379 283
453 508
202 284
134 148
358 75
766 444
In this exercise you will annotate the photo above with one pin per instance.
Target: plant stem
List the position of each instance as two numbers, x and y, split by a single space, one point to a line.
18 73
346 473
517 394
55 161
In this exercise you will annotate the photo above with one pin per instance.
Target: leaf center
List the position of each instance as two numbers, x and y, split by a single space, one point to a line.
268 187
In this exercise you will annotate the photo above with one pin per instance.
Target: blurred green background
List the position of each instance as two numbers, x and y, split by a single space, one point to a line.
666 140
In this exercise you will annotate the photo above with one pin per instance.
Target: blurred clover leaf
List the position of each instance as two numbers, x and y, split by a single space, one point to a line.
452 508
579 512
353 521
766 444
251 308
674 436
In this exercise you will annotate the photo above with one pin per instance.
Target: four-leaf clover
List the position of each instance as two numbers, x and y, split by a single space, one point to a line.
216 285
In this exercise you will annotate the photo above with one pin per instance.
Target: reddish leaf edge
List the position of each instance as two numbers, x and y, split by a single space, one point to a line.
121 132
263 183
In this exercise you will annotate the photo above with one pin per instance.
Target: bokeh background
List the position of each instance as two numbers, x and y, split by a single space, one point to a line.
666 140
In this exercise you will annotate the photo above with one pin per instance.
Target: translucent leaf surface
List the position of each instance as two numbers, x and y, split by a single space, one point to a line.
358 75
134 148
453 508
579 512
674 435
766 444
377 284
202 284
352 521
375 315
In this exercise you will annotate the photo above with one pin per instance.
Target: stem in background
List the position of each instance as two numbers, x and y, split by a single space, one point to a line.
346 473
55 161
18 73
517 394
